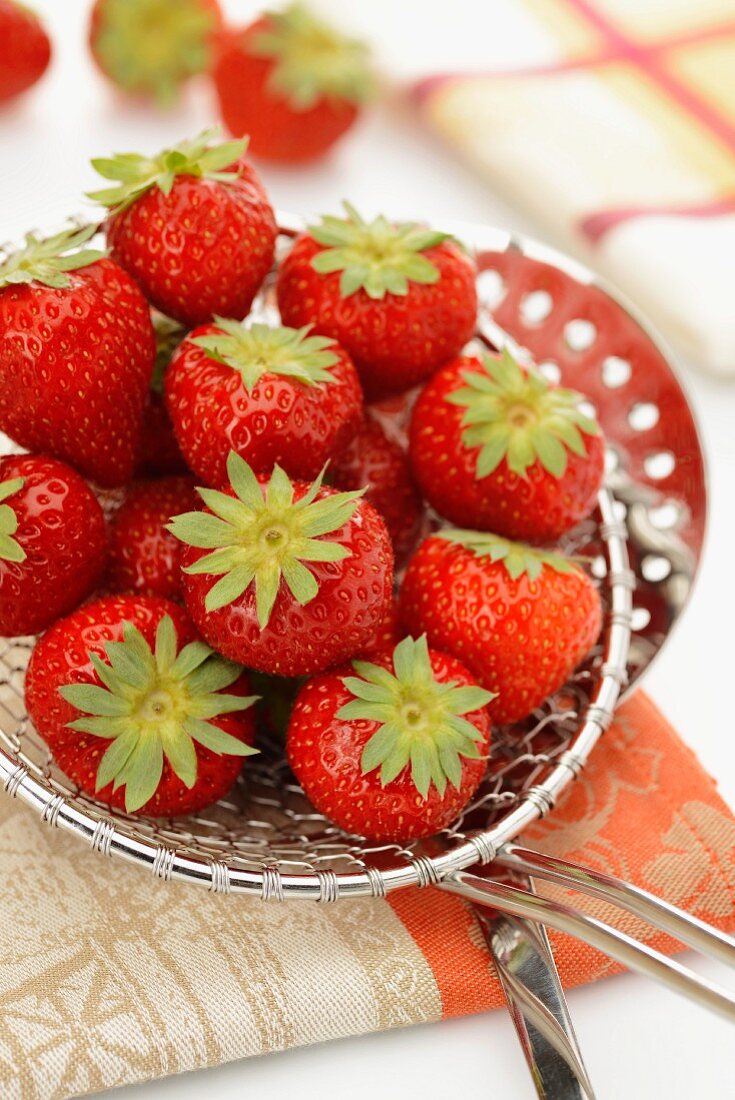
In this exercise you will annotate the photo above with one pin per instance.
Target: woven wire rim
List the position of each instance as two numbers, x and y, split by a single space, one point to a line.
117 835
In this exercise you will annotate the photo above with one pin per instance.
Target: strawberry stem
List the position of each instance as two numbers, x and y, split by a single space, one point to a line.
47 260
10 548
419 717
254 350
313 61
153 705
517 415
377 257
262 535
137 174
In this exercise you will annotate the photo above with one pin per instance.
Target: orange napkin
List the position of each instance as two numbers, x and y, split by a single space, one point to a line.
110 977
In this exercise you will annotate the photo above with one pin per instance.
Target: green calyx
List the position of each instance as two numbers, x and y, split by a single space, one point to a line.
137 174
10 548
377 257
153 706
420 718
47 260
151 46
262 535
169 335
516 557
516 415
255 350
313 61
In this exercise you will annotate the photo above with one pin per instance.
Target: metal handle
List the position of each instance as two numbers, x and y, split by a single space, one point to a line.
685 927
537 1006
612 942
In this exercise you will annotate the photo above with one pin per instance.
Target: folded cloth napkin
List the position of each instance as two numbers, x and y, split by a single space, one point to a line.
109 977
623 148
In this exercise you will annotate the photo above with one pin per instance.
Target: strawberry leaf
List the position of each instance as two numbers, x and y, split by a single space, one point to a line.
377 257
418 718
254 350
313 61
516 557
262 537
518 416
137 174
47 260
151 707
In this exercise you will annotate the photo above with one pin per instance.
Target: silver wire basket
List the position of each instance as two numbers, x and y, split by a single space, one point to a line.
265 839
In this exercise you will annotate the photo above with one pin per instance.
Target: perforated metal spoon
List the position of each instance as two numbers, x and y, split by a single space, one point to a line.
521 313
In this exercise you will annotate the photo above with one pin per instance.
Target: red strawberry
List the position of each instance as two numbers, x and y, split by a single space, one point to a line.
400 298
521 619
285 577
388 632
193 225
144 555
274 395
397 750
373 461
291 82
159 452
497 447
132 706
25 49
151 47
52 542
76 355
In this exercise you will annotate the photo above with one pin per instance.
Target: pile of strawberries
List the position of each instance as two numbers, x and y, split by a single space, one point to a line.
291 81
265 509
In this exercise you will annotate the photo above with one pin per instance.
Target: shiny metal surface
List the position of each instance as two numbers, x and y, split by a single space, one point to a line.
614 943
527 971
685 927
552 1072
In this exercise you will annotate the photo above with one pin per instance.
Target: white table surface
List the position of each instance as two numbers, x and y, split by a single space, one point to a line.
639 1041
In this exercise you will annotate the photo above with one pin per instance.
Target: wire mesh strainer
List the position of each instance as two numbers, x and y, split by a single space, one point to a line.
265 839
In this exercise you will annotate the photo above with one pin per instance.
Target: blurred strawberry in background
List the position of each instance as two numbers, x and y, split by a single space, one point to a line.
25 49
292 82
151 47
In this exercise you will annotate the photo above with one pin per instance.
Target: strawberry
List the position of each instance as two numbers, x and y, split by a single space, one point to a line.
193 225
497 447
52 542
151 47
520 618
144 555
274 395
391 750
291 82
400 298
76 355
388 632
372 460
133 707
305 573
25 49
159 452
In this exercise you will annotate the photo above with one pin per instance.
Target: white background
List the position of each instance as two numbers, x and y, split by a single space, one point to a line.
639 1041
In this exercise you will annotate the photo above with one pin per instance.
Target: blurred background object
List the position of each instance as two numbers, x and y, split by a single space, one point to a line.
623 148
292 82
151 47
25 49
